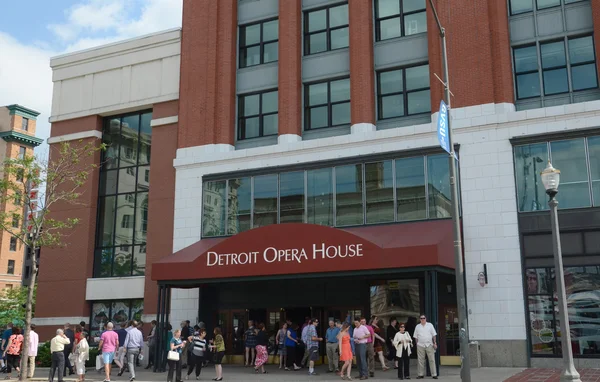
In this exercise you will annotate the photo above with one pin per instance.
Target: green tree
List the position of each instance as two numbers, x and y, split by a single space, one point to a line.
63 175
12 306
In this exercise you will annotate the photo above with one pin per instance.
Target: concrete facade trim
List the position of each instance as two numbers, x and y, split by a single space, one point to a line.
59 321
164 121
75 136
115 288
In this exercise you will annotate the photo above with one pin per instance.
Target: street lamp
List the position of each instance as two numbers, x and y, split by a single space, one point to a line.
551 179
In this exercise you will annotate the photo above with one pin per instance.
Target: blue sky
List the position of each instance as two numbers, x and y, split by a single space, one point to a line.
32 31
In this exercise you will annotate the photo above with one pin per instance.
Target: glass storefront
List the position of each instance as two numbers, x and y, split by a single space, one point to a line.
116 311
393 190
583 299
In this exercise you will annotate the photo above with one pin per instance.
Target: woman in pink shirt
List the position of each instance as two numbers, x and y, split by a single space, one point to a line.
109 343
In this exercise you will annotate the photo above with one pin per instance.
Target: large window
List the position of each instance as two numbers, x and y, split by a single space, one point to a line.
116 311
123 200
583 300
395 18
327 104
522 6
402 92
259 43
326 29
403 189
556 59
579 187
11 267
13 244
25 124
258 115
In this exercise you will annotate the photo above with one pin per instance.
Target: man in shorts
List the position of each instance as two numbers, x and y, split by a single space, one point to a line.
312 345
109 343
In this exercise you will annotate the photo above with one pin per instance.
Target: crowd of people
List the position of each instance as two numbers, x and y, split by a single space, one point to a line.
189 348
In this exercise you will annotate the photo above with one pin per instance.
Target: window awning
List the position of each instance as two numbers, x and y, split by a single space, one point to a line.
295 248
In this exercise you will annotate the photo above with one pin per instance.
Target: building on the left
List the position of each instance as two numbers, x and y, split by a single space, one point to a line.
17 133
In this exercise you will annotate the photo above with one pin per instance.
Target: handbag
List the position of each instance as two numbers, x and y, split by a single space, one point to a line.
173 356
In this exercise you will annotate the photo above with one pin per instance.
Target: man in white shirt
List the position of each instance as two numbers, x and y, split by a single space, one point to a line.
34 341
57 347
426 345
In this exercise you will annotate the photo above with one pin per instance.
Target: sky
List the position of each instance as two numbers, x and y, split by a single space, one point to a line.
33 31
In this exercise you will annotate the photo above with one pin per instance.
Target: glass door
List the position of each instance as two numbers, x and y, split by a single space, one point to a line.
448 335
232 323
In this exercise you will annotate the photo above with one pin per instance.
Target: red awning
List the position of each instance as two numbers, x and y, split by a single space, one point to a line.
294 248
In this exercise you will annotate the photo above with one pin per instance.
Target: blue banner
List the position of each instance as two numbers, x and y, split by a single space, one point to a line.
442 127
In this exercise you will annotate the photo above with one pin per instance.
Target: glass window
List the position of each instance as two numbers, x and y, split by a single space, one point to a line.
594 152
379 192
291 197
239 200
25 124
15 220
327 104
411 201
22 152
259 43
349 195
10 269
438 178
123 203
326 29
526 72
213 213
581 286
569 157
115 311
265 200
520 6
403 92
530 160
258 115
13 244
541 4
320 196
395 18
583 63
554 65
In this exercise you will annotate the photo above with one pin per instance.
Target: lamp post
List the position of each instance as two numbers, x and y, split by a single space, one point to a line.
551 179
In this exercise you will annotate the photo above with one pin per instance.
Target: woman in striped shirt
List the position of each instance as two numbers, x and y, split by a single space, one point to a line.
199 347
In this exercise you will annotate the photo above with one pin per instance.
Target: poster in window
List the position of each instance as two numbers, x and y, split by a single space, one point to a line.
538 281
120 311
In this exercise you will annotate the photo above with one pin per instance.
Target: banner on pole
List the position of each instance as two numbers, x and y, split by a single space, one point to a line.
442 127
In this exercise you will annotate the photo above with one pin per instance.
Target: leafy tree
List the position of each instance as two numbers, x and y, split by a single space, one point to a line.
63 175
12 306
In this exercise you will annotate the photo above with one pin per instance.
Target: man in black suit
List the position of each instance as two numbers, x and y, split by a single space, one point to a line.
68 349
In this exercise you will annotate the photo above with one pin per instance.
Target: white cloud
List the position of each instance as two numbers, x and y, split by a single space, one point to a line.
25 74
26 79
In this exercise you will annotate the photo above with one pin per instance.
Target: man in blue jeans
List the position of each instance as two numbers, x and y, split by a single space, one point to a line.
361 335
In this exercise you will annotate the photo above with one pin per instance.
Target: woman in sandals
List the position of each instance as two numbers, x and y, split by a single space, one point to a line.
13 352
262 356
345 352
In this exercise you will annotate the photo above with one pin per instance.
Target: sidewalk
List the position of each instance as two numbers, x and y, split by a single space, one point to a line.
240 373
553 375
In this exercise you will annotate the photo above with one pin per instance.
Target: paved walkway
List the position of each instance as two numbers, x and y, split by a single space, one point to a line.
239 373
553 375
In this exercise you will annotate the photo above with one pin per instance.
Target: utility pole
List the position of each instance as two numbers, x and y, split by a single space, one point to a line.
465 370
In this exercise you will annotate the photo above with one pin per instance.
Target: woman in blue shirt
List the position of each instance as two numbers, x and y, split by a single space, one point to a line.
175 345
291 341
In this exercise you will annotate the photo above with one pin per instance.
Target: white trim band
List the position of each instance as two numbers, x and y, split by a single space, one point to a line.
59 321
115 288
164 121
75 136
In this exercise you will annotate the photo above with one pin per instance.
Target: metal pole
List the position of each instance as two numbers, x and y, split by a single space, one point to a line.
569 373
465 371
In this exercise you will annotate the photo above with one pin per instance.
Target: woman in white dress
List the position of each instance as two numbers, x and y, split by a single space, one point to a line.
403 342
82 353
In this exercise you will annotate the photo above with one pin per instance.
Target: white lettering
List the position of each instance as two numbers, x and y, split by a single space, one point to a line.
315 251
359 248
208 258
266 252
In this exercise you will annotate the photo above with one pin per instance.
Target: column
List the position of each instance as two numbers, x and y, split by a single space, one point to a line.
290 70
362 70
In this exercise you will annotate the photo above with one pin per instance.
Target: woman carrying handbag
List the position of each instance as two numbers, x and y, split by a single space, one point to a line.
218 347
403 342
174 356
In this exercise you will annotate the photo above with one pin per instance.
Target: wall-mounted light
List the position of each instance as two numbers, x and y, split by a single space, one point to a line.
482 276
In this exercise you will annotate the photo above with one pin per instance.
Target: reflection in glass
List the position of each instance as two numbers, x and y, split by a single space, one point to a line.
111 137
396 298
317 94
145 138
392 106
520 6
108 182
340 114
122 261
438 177
339 38
528 85
251 34
265 200
379 192
127 180
106 221
129 140
338 16
541 319
569 157
594 153
547 3
553 55
391 82
143 182
412 5
124 227
250 56
530 160
555 81
271 30
340 90
291 197
526 59
410 189
419 102
141 218
584 77
581 50
319 117
213 209
271 52
103 262
415 23
349 195
317 20
320 197
387 8
270 124
417 77
389 28
239 200
318 42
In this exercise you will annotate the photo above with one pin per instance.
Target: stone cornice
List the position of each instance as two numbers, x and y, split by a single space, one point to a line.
22 111
13 136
